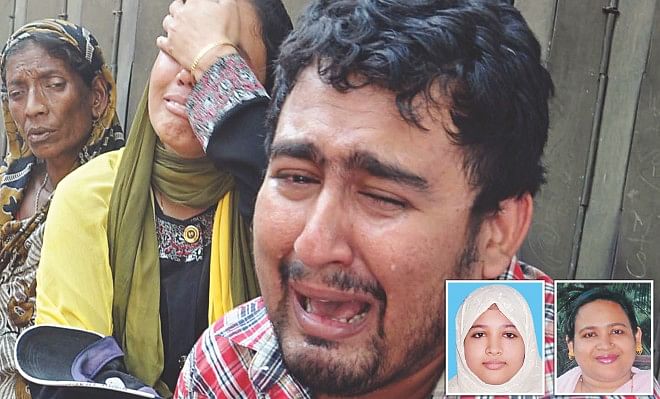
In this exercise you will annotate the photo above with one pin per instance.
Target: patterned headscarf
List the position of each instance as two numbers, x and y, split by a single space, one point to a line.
105 135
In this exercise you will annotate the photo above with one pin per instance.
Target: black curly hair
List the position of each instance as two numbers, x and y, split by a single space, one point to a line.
479 54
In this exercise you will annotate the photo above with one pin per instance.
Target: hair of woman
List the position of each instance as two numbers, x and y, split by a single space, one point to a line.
594 294
275 27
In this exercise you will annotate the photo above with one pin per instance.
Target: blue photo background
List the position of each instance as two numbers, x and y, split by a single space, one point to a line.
532 291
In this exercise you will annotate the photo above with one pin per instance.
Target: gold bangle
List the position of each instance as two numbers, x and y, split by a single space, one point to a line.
205 50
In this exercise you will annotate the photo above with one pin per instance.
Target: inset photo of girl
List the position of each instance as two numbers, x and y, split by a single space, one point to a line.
604 337
494 332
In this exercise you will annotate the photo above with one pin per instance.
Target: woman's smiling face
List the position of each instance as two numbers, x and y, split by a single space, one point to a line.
494 348
604 343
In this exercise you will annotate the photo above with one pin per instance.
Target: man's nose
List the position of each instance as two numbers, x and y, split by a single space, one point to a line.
326 236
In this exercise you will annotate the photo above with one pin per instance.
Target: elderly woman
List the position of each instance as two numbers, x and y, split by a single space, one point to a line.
162 244
603 337
58 99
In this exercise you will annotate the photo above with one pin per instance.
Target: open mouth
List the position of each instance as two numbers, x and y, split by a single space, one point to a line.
176 107
38 135
331 315
340 311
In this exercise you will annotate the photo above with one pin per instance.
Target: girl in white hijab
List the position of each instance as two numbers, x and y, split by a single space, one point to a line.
496 345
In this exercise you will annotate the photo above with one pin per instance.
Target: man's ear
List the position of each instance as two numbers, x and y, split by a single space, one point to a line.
502 233
100 96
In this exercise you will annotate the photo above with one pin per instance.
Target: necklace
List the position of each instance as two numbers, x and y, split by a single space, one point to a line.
582 384
191 233
38 196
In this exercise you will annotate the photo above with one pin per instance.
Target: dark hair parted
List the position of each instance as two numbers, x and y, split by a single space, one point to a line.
594 294
57 48
275 26
478 54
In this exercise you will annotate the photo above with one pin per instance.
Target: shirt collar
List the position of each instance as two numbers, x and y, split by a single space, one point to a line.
254 331
251 329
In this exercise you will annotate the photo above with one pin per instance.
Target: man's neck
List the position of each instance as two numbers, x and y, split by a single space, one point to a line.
419 385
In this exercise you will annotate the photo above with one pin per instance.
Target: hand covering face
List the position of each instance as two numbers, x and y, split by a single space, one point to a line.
133 244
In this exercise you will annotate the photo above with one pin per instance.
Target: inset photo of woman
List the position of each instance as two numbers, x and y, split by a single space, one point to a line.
494 332
604 337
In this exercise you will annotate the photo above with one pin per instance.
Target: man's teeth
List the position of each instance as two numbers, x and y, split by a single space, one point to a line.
308 308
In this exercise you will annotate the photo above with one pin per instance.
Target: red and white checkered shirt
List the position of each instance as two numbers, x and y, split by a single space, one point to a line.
239 357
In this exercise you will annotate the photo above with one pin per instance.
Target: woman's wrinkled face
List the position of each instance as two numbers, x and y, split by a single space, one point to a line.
49 102
170 85
494 348
604 342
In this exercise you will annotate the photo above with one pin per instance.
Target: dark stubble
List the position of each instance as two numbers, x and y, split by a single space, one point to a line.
372 369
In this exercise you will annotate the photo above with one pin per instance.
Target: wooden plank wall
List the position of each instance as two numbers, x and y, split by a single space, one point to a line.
599 214
613 230
572 56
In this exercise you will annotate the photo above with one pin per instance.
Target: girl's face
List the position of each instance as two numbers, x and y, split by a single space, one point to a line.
494 348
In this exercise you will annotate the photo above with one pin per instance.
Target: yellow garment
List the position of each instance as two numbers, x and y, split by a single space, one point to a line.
74 278
220 301
75 282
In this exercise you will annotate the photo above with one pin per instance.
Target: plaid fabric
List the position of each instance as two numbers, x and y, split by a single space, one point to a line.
238 356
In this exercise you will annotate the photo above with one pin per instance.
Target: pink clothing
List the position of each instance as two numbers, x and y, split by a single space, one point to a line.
642 382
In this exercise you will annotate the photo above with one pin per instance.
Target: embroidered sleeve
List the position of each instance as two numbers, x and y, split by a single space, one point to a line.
226 85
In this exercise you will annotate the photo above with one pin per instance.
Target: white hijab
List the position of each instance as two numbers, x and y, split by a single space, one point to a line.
529 379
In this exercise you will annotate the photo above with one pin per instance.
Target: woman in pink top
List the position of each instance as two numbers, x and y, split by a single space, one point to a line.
603 337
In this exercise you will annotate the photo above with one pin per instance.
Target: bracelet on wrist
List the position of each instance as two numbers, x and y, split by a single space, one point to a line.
205 51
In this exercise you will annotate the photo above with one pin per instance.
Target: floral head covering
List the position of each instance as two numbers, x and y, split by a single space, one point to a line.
106 133
529 379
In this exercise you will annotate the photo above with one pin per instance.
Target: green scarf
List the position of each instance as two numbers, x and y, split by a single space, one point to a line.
133 245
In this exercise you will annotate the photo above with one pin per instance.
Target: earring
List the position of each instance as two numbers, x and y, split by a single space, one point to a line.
96 122
639 349
571 355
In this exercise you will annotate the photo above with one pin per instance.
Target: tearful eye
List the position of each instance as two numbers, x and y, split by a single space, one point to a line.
385 202
300 179
295 184
294 178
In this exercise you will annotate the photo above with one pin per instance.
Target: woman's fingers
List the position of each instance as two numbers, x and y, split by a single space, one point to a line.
175 5
192 26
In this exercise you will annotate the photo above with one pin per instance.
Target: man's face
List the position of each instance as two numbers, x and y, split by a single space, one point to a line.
360 220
